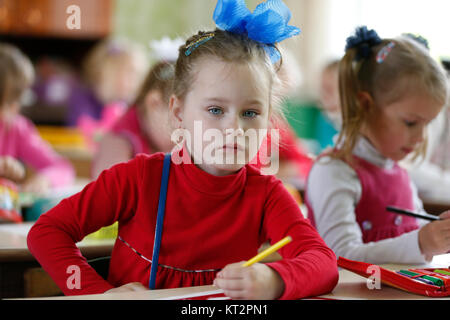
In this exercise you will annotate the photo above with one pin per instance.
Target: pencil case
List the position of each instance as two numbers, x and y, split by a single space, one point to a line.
9 202
431 282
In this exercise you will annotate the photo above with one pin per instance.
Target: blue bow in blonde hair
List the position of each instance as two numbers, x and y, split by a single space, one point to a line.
268 24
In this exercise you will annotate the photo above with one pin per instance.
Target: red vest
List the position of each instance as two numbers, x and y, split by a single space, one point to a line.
380 188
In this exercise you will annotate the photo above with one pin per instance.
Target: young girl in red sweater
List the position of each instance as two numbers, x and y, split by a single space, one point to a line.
218 213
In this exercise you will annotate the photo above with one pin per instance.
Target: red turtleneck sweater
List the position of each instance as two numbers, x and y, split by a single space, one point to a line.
210 221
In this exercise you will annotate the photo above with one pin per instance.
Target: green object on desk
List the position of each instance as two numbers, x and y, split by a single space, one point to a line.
442 272
409 273
436 281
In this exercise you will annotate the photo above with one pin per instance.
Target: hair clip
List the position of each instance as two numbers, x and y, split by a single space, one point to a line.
194 45
384 52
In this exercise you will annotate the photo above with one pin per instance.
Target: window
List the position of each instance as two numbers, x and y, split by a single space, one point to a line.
390 18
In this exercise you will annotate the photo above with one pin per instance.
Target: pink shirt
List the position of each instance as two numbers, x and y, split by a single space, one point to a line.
21 140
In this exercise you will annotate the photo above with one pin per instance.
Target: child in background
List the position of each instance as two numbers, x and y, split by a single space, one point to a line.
112 74
217 213
329 93
390 90
144 128
20 143
329 120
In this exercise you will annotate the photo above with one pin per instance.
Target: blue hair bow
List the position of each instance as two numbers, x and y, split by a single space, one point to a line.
363 40
268 24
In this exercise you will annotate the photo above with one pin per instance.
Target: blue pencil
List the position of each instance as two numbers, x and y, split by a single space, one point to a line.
159 221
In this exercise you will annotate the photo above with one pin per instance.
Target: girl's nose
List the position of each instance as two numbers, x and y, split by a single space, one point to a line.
235 125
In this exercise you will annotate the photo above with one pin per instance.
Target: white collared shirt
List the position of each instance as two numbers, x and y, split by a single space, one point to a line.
334 190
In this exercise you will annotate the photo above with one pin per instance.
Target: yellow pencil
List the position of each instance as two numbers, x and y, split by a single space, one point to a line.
268 251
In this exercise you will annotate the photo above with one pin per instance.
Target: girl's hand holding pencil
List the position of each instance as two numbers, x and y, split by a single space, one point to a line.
250 280
434 237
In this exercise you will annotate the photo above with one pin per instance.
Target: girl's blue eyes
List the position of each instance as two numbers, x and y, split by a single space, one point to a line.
246 114
250 114
215 111
410 123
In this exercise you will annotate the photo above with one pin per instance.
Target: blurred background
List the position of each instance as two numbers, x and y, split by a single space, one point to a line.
39 28
91 58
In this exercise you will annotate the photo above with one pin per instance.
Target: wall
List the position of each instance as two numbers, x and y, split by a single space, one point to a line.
145 20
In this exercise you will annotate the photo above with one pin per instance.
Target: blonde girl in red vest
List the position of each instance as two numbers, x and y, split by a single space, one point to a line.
390 90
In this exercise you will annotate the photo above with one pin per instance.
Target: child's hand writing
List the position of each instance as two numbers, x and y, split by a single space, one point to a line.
434 237
132 286
257 281
11 169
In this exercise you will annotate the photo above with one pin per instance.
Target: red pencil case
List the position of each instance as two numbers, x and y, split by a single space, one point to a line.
423 281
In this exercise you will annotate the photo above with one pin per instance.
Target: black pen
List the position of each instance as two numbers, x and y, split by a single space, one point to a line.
412 214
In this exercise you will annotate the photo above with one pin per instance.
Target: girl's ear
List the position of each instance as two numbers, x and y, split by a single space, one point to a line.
152 99
176 111
365 100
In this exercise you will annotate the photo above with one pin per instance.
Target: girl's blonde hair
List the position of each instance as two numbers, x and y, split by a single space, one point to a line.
228 47
111 54
16 74
405 68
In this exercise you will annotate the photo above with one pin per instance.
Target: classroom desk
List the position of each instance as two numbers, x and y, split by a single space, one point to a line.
350 287
16 259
